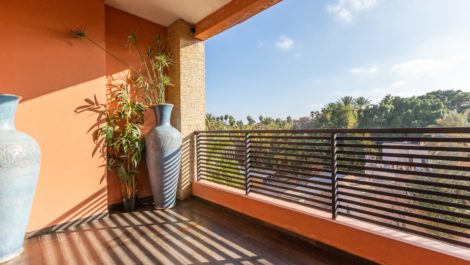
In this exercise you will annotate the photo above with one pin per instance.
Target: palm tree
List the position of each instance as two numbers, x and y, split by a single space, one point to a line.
346 101
362 102
349 108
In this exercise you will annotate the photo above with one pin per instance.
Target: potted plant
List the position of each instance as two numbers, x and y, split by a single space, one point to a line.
163 142
123 140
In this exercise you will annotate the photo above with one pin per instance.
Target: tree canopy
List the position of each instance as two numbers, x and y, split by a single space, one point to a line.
350 112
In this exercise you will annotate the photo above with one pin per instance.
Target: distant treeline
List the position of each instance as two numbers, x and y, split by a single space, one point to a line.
442 108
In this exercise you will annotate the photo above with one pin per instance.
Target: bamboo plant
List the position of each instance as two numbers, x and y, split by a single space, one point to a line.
151 77
144 87
153 80
124 139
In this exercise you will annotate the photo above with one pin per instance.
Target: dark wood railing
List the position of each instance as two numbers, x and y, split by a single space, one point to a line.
414 180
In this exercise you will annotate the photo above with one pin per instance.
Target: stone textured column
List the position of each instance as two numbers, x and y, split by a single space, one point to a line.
187 94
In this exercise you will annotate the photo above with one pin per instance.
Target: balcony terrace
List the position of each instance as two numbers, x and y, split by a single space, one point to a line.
297 203
346 196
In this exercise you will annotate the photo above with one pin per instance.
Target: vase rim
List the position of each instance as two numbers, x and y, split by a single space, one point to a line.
12 95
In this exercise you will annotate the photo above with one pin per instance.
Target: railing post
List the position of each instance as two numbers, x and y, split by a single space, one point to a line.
247 163
198 166
334 178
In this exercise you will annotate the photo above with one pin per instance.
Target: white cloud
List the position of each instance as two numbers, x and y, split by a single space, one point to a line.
353 93
432 65
345 10
436 64
419 67
365 70
316 106
378 91
285 43
397 84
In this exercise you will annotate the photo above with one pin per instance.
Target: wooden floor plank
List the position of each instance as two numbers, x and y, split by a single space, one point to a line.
109 246
162 253
194 232
50 249
32 252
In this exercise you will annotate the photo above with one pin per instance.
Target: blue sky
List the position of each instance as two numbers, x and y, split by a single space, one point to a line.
301 54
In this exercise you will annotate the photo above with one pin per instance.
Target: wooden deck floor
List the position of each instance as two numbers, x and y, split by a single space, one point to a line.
194 232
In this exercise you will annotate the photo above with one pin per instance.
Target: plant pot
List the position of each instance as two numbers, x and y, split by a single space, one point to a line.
128 204
163 157
19 170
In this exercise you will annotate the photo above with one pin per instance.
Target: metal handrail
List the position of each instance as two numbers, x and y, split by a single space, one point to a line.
415 180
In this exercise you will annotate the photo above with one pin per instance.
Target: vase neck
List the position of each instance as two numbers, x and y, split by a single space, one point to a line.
163 113
8 105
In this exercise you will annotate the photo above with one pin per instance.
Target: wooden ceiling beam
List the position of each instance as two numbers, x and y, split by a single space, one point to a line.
231 14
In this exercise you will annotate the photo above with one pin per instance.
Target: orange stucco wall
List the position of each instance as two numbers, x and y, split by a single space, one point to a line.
55 74
118 26
378 248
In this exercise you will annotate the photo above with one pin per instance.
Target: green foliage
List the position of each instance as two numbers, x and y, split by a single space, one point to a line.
362 102
398 112
153 80
228 122
123 136
342 114
453 99
419 111
125 111
434 109
451 119
349 112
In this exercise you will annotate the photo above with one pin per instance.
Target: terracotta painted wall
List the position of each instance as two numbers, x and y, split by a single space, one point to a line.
56 74
118 26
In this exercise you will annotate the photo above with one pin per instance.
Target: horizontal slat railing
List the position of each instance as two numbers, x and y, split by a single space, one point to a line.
415 180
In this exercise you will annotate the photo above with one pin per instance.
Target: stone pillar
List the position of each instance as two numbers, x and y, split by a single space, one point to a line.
187 94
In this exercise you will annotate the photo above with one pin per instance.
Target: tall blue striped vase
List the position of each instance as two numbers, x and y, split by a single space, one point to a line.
163 157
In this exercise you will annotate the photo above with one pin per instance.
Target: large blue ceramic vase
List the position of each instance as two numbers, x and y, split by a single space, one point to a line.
19 169
163 157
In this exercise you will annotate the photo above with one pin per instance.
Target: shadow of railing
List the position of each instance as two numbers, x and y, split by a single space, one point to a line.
171 165
145 237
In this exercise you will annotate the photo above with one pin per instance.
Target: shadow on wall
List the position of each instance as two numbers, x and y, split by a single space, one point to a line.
53 72
92 208
96 109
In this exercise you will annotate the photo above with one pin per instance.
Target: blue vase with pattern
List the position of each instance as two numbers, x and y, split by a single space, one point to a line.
19 170
163 157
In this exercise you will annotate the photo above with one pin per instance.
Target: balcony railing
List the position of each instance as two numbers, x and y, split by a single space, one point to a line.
414 180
